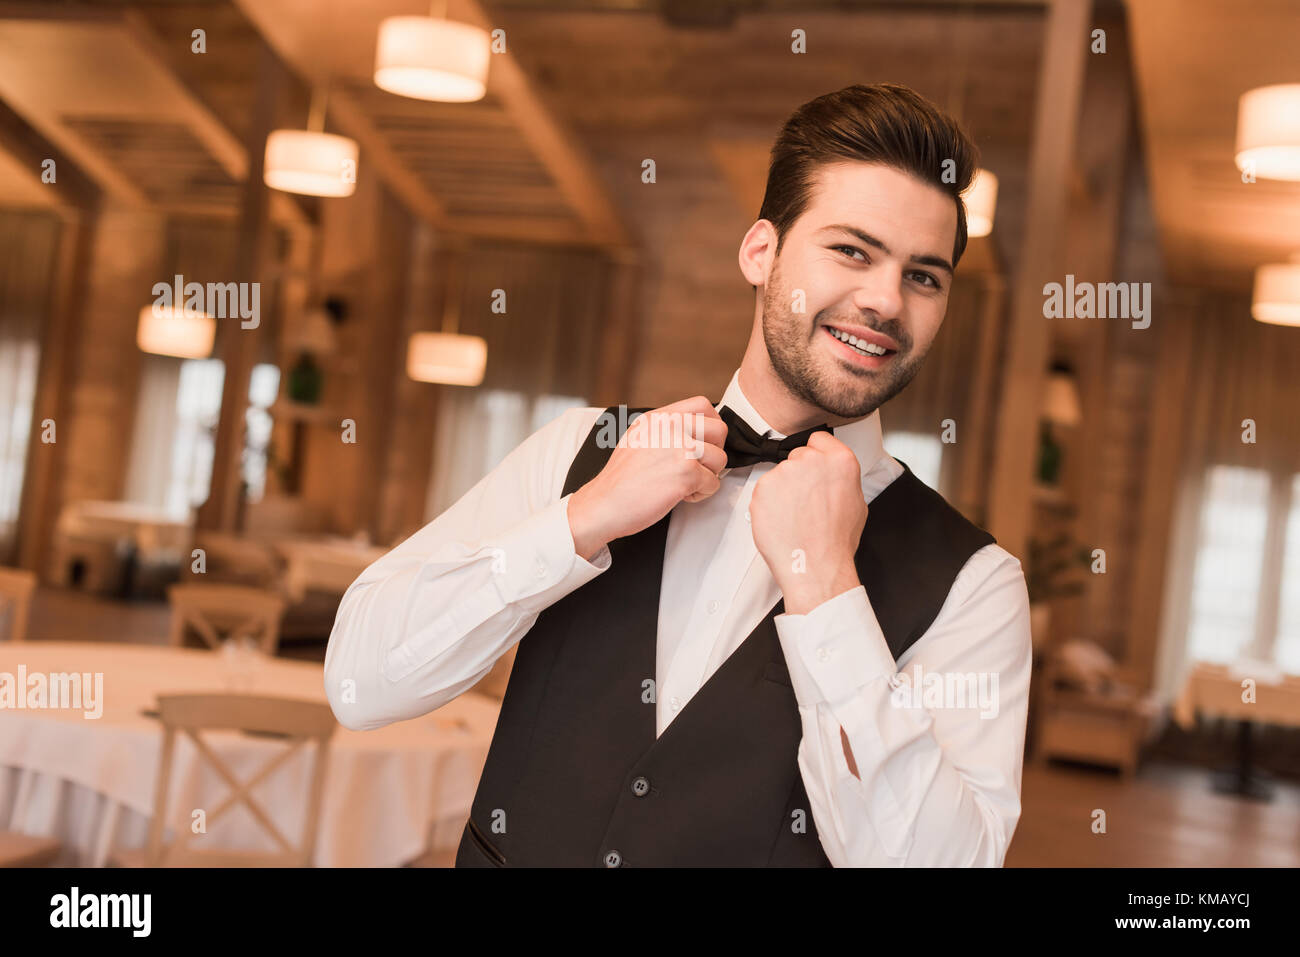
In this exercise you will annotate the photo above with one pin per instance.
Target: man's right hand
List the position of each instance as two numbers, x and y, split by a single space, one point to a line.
674 455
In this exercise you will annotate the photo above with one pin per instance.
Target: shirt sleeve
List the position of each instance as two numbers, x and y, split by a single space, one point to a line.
428 620
938 743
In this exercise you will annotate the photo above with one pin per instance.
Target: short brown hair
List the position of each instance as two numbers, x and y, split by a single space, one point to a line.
882 123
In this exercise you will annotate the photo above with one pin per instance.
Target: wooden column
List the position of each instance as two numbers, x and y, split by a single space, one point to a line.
40 499
620 334
972 479
1041 257
1165 451
1105 122
239 346
409 456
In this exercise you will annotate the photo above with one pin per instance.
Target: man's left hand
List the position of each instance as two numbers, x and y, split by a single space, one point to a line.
807 516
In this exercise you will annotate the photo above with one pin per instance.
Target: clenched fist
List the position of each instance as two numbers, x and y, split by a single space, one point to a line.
807 516
668 455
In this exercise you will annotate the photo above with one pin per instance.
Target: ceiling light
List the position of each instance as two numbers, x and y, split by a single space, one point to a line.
1268 132
432 59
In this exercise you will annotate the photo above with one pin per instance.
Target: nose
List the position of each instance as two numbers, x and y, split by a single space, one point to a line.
881 291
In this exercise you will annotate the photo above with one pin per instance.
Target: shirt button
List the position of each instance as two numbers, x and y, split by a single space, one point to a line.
613 859
747 518
823 654
541 569
713 607
641 787
675 703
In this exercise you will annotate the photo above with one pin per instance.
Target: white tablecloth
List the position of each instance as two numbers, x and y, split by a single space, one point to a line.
329 565
389 794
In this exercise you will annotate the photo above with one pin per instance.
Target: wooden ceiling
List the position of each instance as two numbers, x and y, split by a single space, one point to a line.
1193 59
590 87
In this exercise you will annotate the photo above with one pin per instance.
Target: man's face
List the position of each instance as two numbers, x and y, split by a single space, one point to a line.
871 255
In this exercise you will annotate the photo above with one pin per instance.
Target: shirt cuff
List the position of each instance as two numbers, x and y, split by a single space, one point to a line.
539 563
835 649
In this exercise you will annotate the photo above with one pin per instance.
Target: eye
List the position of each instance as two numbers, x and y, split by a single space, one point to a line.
927 279
853 249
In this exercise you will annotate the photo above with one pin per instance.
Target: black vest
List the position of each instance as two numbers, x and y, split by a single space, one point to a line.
575 776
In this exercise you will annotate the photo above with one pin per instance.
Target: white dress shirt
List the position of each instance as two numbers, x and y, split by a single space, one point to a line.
937 784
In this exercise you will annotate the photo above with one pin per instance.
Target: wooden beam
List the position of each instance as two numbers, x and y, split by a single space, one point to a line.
1041 258
352 121
71 189
555 147
221 144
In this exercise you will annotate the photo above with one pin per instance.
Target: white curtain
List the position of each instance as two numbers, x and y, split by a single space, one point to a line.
19 357
149 473
476 429
27 246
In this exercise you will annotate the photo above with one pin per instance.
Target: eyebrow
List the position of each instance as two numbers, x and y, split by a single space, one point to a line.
870 240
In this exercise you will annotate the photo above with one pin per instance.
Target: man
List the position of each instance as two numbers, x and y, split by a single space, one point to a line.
712 636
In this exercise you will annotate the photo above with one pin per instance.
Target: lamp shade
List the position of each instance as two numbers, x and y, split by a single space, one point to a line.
1061 404
447 358
1268 131
431 59
981 203
1276 296
172 331
315 164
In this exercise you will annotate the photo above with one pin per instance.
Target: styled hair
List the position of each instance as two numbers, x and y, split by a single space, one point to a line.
883 123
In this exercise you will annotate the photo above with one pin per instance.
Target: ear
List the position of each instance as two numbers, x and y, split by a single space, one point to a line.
758 252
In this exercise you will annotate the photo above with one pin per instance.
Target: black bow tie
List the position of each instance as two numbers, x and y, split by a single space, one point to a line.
744 446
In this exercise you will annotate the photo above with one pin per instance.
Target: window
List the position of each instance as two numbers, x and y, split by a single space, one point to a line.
921 451
18 363
198 408
263 387
1286 646
175 431
1232 601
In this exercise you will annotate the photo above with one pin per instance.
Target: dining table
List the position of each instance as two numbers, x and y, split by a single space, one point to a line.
1250 693
82 767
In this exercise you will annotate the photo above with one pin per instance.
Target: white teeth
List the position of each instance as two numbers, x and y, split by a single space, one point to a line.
860 344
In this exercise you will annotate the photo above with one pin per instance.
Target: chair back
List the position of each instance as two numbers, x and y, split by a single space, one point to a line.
16 588
235 610
297 722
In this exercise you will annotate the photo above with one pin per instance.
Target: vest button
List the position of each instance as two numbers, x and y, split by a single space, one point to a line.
613 859
641 787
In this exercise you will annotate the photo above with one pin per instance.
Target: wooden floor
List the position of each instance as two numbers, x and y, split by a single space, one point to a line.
1167 816
62 614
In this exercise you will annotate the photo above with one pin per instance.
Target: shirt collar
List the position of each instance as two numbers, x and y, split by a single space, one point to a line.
863 436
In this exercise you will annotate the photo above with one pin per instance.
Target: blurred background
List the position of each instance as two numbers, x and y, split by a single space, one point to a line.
464 222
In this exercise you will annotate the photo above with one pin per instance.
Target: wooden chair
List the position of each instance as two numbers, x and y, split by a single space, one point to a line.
16 587
298 722
26 850
1106 726
237 610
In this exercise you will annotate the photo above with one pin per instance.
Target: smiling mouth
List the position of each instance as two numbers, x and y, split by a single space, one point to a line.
860 346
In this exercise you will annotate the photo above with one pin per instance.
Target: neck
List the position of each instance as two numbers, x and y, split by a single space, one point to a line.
783 411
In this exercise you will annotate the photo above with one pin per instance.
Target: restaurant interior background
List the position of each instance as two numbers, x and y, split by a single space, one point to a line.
565 233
